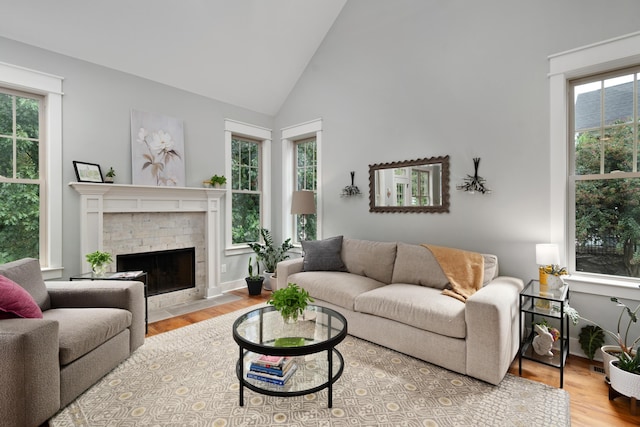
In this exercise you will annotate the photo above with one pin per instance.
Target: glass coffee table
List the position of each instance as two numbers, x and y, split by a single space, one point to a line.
310 342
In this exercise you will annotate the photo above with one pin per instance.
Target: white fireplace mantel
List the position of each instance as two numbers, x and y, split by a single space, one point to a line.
98 199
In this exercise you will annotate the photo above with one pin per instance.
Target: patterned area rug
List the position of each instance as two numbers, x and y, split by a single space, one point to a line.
186 377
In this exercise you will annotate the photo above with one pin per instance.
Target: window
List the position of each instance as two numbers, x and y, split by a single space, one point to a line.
604 173
301 155
248 149
22 201
25 89
306 175
246 190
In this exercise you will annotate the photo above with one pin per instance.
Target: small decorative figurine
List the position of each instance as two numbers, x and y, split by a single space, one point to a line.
543 342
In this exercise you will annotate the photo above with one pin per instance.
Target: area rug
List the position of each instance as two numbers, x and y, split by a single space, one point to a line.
186 377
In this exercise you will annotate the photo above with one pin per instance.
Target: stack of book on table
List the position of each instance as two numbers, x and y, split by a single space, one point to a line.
272 369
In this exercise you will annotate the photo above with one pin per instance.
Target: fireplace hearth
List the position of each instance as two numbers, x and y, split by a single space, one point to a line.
167 271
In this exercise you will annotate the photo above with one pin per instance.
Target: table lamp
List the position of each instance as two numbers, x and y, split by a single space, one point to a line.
303 203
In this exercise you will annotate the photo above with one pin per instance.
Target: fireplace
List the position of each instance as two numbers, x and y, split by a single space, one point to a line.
167 271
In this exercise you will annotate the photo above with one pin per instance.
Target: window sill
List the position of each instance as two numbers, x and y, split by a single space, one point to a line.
51 273
604 286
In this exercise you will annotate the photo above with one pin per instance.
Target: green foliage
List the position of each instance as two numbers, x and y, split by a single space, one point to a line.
268 253
591 338
290 301
215 179
250 270
110 173
629 363
98 258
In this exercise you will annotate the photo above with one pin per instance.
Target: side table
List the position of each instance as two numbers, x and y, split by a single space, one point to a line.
546 304
140 276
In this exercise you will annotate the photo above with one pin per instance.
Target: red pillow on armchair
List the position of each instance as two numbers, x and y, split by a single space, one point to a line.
16 302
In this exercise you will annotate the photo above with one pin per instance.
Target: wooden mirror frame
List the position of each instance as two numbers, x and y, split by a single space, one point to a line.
442 208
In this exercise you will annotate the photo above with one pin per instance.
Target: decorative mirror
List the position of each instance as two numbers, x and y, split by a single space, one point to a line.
420 185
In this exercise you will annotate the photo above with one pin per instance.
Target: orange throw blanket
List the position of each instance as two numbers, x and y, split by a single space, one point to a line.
465 270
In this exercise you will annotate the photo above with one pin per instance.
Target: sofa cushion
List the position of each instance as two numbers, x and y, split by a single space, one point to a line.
16 302
334 287
323 255
416 265
26 272
418 306
369 259
490 268
83 329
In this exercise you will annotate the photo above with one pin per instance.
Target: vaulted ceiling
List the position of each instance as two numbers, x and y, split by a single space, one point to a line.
249 53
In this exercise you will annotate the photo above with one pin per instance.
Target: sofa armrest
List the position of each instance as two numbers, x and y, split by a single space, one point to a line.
30 371
124 294
286 268
491 315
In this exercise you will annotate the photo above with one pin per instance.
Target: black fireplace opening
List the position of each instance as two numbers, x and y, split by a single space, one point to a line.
167 271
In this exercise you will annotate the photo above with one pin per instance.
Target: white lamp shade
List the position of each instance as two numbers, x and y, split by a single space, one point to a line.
547 254
303 203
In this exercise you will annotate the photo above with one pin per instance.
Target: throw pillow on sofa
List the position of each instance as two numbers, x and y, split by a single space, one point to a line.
323 255
16 302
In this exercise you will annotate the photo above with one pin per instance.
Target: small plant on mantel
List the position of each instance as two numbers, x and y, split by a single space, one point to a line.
290 301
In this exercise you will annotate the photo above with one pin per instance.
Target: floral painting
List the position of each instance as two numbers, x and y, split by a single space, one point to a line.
157 149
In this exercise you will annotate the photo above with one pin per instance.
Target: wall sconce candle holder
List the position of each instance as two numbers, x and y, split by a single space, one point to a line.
474 183
351 190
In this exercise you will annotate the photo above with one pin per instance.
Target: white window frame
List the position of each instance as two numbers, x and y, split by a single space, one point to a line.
49 86
608 55
290 135
263 135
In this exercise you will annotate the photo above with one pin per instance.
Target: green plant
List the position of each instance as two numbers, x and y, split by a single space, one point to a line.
290 301
250 270
268 253
629 363
215 179
591 338
110 173
622 338
98 258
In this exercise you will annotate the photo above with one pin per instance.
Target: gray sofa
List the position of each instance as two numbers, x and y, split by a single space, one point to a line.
391 294
87 328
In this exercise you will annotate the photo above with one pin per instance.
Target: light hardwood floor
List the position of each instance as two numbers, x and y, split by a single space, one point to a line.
590 404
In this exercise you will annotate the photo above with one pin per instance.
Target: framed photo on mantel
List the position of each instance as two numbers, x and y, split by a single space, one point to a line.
87 172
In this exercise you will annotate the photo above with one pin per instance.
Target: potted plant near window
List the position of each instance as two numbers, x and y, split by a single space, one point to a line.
99 261
254 282
290 302
270 255
622 362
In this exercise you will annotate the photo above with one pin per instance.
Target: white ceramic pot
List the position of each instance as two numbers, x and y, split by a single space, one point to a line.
624 382
607 357
269 280
554 282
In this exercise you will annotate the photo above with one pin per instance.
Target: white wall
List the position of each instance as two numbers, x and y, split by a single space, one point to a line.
96 127
413 78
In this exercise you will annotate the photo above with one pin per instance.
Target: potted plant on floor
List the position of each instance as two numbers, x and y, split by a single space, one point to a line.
254 282
290 302
270 255
623 366
99 261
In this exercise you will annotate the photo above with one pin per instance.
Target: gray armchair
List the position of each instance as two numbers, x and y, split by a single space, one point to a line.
87 329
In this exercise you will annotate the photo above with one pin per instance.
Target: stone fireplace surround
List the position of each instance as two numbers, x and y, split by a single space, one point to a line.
123 219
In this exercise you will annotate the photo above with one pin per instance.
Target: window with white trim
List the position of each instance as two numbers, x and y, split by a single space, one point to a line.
603 173
306 177
302 160
248 149
47 89
22 175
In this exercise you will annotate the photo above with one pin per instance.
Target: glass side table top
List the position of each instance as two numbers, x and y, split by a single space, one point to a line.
263 330
533 290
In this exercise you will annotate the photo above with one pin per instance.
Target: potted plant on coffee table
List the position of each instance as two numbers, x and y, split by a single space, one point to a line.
270 255
99 261
290 302
623 366
254 282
